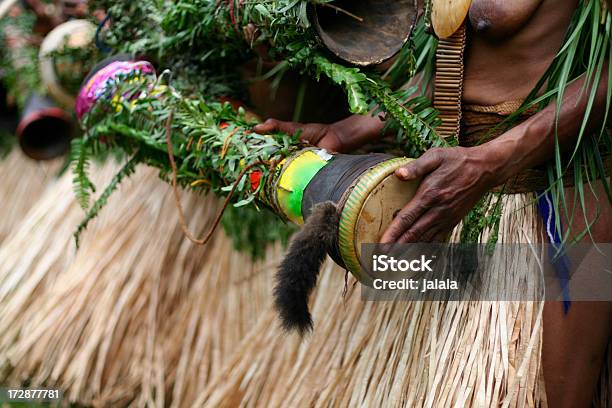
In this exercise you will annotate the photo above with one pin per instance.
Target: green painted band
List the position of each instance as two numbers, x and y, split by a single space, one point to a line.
294 179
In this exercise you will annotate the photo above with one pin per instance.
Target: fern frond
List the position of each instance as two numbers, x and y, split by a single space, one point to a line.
126 171
80 158
414 119
351 79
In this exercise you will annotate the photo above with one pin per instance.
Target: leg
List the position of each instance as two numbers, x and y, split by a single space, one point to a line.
574 348
574 344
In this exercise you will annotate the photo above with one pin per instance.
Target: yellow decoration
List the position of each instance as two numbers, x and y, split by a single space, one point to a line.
448 15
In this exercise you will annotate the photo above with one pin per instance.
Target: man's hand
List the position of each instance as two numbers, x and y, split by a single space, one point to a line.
342 136
317 134
453 180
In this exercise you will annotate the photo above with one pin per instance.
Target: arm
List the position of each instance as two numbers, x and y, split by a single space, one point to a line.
342 136
532 142
454 179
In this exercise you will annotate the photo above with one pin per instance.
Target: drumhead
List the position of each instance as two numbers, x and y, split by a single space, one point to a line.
369 209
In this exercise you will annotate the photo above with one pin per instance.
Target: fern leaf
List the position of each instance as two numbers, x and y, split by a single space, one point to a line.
80 159
126 171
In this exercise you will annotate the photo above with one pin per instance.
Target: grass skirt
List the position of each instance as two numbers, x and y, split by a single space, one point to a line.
141 316
410 354
23 183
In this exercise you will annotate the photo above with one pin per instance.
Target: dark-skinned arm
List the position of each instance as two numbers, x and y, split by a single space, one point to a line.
342 136
454 179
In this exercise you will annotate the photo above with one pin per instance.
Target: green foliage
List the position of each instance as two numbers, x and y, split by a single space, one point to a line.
219 36
411 114
19 57
413 120
417 56
80 158
252 229
127 170
485 216
212 145
352 80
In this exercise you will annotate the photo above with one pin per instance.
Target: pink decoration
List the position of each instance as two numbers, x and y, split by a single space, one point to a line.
104 79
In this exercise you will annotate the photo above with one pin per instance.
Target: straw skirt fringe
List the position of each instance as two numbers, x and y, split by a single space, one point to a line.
412 354
23 183
140 316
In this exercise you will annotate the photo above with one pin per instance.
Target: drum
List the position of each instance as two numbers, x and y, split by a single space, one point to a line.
363 187
44 130
364 32
73 34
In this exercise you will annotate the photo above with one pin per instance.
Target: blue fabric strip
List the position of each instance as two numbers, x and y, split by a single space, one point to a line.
560 263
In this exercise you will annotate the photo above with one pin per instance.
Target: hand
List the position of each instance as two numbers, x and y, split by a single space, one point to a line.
453 180
317 134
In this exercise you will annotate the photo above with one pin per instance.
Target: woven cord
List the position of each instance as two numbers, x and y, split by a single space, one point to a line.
449 83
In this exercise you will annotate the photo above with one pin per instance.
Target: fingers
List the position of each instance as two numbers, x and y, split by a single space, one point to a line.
406 217
422 166
317 135
425 229
403 228
273 125
312 133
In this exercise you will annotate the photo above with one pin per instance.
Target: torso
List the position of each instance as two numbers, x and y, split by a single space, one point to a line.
510 45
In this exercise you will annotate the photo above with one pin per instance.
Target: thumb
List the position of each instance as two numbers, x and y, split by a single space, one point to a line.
420 167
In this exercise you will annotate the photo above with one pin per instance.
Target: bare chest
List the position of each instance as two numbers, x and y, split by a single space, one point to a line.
501 18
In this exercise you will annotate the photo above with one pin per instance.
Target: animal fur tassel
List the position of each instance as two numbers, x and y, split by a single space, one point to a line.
297 274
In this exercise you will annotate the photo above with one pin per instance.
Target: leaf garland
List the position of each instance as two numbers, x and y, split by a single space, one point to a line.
214 36
212 143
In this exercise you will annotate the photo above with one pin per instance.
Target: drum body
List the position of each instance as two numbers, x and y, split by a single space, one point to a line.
363 187
73 34
44 130
364 32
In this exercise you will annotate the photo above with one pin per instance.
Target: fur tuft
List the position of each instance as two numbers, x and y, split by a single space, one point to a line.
297 274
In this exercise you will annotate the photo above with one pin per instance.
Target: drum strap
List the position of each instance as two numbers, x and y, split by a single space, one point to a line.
449 83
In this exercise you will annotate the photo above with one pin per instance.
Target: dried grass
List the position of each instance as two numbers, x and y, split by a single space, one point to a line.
414 354
137 315
23 183
140 316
